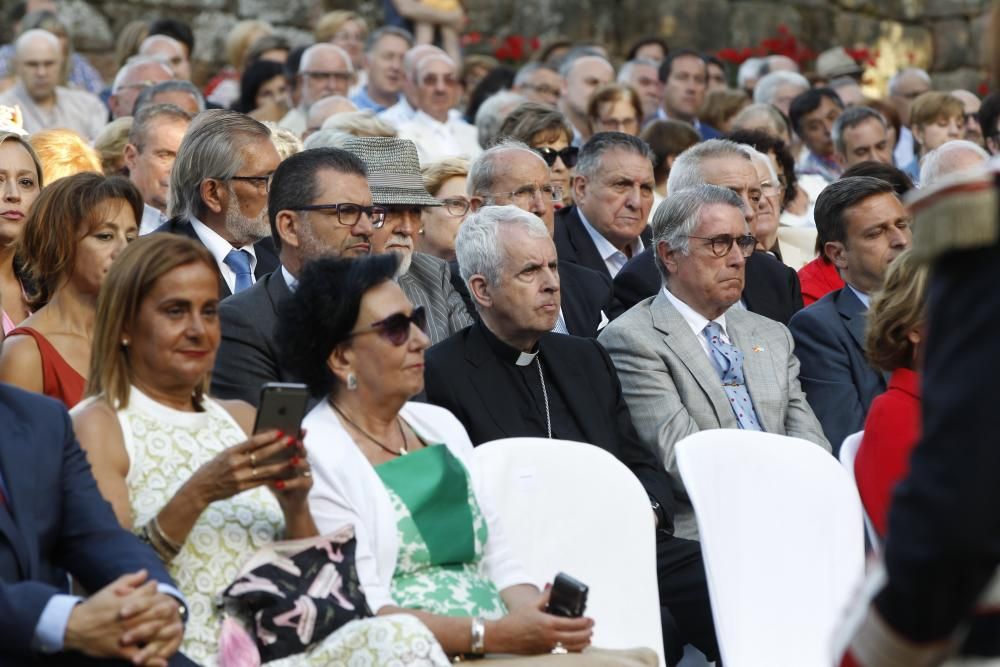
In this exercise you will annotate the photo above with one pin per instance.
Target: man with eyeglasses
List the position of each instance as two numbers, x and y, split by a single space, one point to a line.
218 195
539 83
687 358
325 69
513 173
139 73
319 205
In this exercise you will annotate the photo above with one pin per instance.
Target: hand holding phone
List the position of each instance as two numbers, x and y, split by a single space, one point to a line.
567 597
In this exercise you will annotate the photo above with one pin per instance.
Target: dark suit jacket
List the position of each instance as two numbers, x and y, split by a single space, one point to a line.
248 353
267 256
574 245
584 296
839 383
463 375
771 288
57 520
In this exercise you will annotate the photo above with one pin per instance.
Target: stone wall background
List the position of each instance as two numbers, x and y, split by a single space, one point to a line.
944 36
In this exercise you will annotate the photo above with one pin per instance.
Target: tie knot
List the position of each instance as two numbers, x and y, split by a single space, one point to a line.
713 330
238 261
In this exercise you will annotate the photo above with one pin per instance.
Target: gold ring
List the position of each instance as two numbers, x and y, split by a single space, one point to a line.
253 472
307 473
253 459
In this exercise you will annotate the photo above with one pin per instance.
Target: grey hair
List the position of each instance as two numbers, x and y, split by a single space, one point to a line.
748 114
626 71
29 35
750 69
677 217
852 117
588 164
153 40
373 39
941 161
303 62
132 63
767 87
212 148
527 71
327 138
143 121
763 158
478 247
686 172
150 92
566 67
483 170
493 111
898 77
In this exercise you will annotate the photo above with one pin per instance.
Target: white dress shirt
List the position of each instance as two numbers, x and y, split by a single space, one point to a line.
436 140
220 247
295 120
698 322
152 218
614 259
399 113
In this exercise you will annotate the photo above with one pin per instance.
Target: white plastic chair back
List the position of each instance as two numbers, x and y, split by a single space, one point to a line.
780 526
848 454
574 508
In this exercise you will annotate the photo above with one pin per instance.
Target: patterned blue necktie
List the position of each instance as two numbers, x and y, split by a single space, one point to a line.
239 262
729 363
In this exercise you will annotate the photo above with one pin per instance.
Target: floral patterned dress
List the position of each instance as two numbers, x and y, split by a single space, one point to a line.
165 448
442 536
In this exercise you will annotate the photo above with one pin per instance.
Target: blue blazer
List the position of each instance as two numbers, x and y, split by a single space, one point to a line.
839 383
57 521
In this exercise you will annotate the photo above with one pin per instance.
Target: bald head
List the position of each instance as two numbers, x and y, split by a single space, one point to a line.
512 173
325 69
323 109
39 58
170 51
949 159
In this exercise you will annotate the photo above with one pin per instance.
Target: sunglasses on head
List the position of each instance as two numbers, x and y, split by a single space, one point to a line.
568 155
396 327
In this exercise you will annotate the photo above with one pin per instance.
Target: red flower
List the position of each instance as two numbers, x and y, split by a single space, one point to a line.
983 89
535 43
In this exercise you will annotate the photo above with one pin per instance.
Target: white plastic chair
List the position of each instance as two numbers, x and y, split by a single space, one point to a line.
574 508
848 454
780 526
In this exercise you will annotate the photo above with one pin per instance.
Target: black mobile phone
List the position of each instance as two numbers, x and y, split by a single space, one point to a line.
567 597
282 406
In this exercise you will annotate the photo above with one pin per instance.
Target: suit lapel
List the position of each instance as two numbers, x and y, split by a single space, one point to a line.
853 311
574 309
586 251
569 378
758 369
682 342
20 491
486 380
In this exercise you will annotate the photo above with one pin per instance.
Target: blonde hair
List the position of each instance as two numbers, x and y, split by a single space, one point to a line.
331 23
242 37
23 141
110 145
896 309
721 106
359 124
64 153
131 278
286 142
436 173
611 93
934 104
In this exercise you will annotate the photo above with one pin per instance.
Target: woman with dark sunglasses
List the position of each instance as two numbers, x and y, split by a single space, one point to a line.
548 132
402 472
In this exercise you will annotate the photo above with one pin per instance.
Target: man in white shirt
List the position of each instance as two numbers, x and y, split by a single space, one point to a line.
436 132
325 69
405 108
44 103
218 195
153 141
905 86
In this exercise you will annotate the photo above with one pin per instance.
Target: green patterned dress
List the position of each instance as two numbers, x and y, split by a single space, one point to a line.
442 536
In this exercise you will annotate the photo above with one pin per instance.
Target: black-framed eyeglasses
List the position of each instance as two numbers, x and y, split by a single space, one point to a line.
569 155
723 243
262 182
348 213
456 206
343 77
396 327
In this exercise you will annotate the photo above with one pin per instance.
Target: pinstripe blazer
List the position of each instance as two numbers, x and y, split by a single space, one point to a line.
672 389
428 284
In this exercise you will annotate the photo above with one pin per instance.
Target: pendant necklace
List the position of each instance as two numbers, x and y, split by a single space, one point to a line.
403 450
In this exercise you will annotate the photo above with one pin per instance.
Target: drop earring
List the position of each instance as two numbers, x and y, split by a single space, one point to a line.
352 381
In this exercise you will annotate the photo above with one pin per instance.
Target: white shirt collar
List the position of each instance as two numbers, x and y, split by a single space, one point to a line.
694 319
290 280
152 218
220 247
614 259
865 299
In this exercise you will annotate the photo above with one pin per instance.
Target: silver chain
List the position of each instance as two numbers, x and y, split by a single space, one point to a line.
545 395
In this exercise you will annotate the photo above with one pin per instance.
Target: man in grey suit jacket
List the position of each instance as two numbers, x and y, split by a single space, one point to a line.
395 182
672 373
861 226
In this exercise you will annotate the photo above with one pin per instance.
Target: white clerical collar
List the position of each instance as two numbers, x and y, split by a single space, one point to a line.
526 358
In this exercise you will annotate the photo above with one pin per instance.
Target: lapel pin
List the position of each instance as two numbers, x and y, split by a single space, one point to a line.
758 348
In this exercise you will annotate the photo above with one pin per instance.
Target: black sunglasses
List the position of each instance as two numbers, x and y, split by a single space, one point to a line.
396 327
568 155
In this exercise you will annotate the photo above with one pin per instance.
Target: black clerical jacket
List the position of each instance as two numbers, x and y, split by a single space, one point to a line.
466 375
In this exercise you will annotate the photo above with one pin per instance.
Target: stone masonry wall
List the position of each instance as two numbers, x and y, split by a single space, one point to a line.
944 36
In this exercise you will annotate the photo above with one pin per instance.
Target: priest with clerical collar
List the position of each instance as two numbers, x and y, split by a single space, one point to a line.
508 375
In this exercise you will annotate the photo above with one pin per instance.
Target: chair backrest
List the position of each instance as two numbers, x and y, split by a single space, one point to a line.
780 526
574 508
848 454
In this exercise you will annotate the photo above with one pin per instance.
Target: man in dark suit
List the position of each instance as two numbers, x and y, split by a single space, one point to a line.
218 195
684 75
53 520
512 173
304 227
613 191
508 375
862 226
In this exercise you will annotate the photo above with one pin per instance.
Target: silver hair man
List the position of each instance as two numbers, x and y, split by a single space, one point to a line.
478 247
686 171
949 159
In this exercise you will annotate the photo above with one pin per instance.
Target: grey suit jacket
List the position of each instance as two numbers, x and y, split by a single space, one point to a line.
428 284
673 390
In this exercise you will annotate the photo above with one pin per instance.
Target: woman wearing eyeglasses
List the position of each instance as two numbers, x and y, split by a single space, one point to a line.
547 131
445 180
402 472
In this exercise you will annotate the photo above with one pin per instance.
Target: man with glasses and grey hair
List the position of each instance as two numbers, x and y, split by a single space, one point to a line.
319 205
688 361
139 73
325 69
218 195
508 375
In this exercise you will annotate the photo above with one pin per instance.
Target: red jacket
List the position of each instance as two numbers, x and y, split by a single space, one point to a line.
818 278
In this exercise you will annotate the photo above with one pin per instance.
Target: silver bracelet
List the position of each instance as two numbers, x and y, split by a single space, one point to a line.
478 644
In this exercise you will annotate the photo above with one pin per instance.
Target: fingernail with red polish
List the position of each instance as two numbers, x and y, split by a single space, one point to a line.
295 460
281 434
279 485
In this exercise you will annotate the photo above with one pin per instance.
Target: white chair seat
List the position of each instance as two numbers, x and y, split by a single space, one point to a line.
848 455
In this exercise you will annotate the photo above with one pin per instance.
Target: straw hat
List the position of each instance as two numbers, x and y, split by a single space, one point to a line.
393 170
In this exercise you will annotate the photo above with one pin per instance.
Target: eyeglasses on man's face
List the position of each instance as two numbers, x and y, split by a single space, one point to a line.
263 183
342 77
524 196
722 244
347 213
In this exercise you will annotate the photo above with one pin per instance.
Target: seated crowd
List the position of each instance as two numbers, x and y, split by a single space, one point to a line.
619 256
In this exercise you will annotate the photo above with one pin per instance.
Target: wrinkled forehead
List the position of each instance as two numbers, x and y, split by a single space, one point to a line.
735 173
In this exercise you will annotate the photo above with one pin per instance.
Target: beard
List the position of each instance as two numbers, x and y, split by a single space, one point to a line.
403 249
244 230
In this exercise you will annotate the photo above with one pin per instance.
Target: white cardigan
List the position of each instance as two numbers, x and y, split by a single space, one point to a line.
347 490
